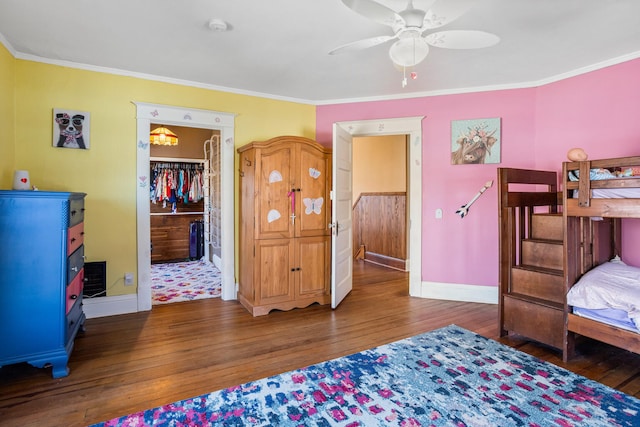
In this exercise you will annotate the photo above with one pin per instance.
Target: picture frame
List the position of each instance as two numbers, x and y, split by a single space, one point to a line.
71 129
476 141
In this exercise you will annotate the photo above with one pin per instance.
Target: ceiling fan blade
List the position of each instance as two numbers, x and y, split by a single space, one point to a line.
374 11
361 44
444 11
462 39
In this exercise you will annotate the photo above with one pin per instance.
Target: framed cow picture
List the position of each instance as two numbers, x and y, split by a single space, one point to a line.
71 128
475 141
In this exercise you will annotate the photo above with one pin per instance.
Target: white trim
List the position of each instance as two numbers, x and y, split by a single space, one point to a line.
153 77
407 95
188 117
460 292
411 126
109 306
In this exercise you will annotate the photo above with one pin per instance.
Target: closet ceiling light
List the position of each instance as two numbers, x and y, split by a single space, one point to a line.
163 136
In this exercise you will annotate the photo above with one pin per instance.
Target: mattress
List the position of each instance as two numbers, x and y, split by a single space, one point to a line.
616 193
610 316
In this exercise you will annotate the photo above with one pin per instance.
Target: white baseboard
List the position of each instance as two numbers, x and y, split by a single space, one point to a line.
459 292
110 306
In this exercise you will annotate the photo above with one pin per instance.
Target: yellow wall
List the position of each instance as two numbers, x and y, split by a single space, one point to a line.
379 164
106 172
7 117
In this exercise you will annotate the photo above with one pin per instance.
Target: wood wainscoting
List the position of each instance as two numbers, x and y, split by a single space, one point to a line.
380 229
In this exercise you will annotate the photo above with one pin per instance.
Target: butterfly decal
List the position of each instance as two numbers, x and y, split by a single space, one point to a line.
314 173
143 145
273 215
275 176
313 205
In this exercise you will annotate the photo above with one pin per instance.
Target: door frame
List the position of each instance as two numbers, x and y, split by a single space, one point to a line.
412 127
195 118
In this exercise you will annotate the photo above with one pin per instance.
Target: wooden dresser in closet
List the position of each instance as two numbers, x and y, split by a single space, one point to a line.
285 240
41 277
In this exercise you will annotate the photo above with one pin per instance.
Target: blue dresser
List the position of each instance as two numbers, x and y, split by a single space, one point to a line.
41 277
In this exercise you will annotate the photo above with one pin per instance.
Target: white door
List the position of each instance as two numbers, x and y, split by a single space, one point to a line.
342 241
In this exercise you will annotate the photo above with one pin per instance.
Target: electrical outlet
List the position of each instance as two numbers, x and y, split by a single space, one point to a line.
128 279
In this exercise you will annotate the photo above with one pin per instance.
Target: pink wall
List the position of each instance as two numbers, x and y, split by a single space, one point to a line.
599 111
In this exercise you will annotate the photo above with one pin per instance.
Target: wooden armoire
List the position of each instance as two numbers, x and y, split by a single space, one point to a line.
285 211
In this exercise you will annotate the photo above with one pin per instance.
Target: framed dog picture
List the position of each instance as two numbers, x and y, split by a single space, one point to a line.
71 129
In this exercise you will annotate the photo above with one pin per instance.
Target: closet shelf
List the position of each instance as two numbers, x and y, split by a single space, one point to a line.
176 160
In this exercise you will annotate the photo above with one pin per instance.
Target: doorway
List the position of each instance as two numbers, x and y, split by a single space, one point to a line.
412 127
184 223
189 118
380 200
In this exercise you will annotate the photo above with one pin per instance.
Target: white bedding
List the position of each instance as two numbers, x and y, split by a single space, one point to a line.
608 193
616 193
610 285
610 316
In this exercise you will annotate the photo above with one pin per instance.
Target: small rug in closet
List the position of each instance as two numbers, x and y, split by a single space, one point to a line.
184 281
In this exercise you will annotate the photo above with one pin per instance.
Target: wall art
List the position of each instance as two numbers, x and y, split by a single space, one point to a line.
71 129
475 141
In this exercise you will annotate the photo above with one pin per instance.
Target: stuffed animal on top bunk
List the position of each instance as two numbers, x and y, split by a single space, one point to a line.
579 155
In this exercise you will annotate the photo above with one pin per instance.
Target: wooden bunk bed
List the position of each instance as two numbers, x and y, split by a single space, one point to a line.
592 236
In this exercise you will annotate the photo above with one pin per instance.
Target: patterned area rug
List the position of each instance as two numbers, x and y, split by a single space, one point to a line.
184 281
448 377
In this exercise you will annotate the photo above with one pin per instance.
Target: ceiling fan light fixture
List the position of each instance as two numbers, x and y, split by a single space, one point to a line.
408 52
163 136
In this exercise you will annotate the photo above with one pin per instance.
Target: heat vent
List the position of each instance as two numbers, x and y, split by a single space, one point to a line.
95 279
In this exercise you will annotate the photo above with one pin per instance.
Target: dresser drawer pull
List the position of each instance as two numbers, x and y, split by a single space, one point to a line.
73 239
73 296
73 212
74 269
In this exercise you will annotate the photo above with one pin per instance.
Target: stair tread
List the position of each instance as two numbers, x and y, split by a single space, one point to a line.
549 241
540 301
552 271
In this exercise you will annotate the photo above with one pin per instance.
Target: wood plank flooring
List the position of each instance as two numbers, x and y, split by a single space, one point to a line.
128 363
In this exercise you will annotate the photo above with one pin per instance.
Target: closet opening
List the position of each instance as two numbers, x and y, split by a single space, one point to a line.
184 210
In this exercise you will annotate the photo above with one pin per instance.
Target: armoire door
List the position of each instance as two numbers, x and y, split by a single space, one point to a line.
314 274
313 208
274 181
274 271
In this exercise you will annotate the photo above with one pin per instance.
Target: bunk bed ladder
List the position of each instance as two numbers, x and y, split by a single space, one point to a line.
531 295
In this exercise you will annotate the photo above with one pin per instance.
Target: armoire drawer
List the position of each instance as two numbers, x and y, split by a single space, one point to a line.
73 318
74 290
75 264
76 211
75 238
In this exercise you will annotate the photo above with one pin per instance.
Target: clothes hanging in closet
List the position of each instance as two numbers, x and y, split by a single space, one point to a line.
176 182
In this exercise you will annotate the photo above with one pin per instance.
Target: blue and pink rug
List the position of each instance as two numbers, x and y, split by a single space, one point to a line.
447 377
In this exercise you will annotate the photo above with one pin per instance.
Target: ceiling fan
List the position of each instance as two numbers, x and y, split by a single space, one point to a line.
411 30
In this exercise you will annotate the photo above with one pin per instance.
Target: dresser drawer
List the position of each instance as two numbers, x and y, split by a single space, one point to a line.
75 238
74 289
76 211
75 263
74 317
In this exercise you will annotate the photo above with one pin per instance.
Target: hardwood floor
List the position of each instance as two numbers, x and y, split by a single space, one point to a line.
128 363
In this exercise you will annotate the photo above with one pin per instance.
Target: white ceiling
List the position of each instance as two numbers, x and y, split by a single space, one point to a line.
279 48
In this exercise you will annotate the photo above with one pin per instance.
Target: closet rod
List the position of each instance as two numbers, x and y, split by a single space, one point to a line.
176 159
